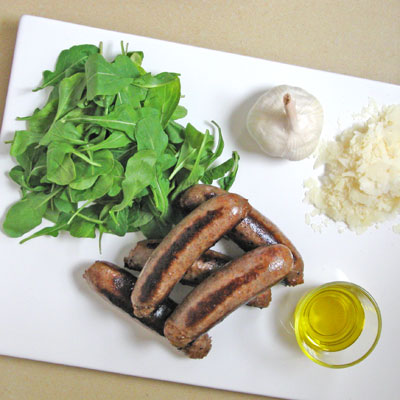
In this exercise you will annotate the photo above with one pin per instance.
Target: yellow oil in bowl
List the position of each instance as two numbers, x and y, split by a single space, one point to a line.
329 319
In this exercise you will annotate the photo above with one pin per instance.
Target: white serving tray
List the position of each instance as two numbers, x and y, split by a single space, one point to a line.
47 312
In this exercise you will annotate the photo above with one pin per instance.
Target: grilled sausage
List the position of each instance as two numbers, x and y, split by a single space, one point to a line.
209 262
223 292
116 285
182 246
255 230
205 265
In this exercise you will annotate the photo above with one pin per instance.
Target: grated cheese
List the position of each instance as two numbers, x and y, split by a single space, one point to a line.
360 185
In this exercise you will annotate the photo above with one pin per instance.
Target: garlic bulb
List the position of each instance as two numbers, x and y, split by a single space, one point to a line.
286 122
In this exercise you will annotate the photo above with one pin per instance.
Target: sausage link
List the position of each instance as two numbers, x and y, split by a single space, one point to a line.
182 246
116 285
255 229
226 290
205 265
209 262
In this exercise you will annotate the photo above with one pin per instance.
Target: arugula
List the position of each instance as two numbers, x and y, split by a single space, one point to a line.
105 153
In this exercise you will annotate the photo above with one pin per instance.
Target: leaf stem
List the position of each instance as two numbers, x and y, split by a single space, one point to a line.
51 195
78 211
180 166
84 158
113 217
94 220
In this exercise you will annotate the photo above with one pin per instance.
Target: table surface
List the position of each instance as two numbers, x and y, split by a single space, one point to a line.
359 38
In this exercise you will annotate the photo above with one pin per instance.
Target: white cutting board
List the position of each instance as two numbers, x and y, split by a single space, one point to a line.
47 312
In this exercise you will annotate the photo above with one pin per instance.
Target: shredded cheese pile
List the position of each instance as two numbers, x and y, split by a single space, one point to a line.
361 182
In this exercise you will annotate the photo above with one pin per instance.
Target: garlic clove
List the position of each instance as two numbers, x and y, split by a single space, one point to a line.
286 122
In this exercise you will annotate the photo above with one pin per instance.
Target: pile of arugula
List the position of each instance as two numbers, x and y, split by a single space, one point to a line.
106 153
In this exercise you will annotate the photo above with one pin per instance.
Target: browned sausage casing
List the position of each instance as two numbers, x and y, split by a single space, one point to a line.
209 262
225 291
255 230
205 265
116 284
182 246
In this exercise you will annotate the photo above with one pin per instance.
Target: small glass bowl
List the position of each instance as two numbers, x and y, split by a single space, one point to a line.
360 346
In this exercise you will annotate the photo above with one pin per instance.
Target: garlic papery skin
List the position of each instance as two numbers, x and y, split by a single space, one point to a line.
286 122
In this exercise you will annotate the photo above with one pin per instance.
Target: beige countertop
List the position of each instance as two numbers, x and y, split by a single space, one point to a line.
358 37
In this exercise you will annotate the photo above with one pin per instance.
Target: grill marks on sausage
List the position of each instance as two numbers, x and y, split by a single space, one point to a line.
214 299
116 285
226 290
119 294
188 234
253 231
120 291
252 234
152 244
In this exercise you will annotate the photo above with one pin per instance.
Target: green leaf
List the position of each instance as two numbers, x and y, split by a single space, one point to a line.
118 223
175 132
17 174
84 224
165 98
62 132
64 205
25 159
123 118
86 175
197 170
150 81
136 57
104 78
165 161
131 96
114 141
79 195
81 228
139 174
25 215
227 182
189 151
150 135
138 217
101 187
180 112
217 172
196 138
220 146
70 92
22 140
104 101
160 189
125 67
118 176
68 63
42 119
60 167
38 170
155 229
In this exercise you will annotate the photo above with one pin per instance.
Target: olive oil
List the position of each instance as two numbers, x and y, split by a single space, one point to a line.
330 319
